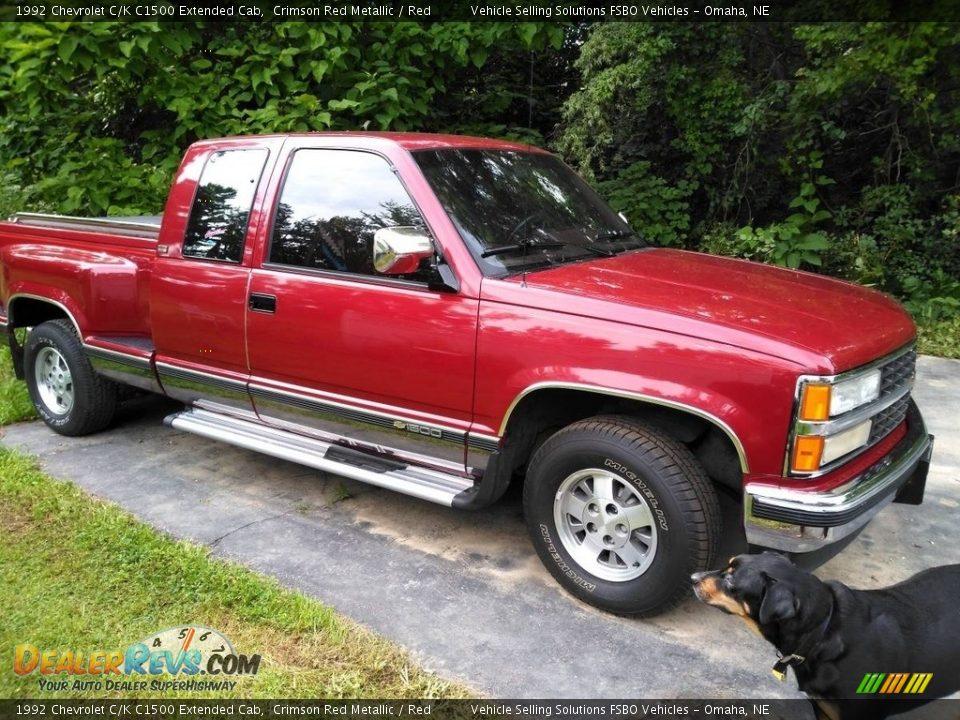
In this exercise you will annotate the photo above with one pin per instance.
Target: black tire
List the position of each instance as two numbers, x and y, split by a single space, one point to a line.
681 537
67 393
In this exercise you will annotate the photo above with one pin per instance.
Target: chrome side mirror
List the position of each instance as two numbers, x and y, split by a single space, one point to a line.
400 250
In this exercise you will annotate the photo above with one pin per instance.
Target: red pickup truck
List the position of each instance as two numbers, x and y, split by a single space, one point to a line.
441 315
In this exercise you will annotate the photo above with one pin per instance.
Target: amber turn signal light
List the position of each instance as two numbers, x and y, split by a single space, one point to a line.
815 402
807 452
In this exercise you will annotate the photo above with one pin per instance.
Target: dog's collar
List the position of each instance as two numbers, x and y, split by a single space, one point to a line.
779 668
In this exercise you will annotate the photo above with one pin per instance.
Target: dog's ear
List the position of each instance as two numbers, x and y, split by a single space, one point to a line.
779 603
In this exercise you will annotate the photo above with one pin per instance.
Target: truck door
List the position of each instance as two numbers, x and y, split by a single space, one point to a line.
198 291
379 363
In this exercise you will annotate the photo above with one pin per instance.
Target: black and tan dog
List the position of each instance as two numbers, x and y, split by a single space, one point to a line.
833 636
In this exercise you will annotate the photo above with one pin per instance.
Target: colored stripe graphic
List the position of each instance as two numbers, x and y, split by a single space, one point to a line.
870 683
891 680
903 680
894 683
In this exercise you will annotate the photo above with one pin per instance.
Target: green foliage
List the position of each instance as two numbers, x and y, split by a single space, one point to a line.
12 196
941 337
95 116
896 246
667 101
932 299
795 241
15 402
697 130
651 202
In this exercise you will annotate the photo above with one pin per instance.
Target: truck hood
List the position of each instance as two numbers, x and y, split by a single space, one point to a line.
730 300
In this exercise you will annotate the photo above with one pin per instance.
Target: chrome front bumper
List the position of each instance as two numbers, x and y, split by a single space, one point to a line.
798 521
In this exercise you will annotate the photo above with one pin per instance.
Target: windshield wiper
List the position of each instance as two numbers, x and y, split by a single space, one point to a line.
524 246
593 249
554 243
613 235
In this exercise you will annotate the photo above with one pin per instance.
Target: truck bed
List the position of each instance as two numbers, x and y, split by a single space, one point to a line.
97 269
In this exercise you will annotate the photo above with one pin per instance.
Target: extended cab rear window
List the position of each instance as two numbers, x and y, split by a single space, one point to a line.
221 207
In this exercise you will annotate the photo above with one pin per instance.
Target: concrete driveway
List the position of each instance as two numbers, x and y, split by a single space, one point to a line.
464 592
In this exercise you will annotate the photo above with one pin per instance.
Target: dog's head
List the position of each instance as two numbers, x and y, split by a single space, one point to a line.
769 592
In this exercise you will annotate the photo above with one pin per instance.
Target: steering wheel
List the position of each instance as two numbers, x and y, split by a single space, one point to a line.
522 224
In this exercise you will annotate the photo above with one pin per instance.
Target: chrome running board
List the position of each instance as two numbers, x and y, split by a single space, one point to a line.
342 460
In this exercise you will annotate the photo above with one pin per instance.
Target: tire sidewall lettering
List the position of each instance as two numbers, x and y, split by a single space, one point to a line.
561 563
580 576
649 495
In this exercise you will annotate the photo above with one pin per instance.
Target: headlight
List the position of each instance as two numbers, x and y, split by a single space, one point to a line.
836 446
855 392
836 417
811 452
818 445
822 401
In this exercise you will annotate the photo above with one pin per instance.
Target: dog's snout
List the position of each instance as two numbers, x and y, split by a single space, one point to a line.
697 577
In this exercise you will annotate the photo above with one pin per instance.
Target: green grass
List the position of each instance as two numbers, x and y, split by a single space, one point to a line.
80 574
15 403
940 338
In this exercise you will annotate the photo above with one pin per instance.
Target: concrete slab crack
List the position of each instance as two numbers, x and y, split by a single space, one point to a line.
216 541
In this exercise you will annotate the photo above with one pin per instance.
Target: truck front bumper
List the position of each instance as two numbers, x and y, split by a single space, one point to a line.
798 521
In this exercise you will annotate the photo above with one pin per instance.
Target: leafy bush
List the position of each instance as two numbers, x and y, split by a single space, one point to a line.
651 202
940 337
94 117
12 196
796 240
703 134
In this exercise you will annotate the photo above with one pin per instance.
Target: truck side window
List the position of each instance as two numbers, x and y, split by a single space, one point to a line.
221 208
332 203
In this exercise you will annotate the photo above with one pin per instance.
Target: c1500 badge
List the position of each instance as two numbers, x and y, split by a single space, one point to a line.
418 429
188 650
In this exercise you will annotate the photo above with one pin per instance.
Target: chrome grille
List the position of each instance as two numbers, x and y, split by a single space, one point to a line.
895 376
885 421
898 372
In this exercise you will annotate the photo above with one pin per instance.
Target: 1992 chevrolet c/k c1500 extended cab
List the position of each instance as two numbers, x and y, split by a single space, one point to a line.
438 315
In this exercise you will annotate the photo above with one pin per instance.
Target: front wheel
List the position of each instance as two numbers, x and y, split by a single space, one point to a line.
67 393
621 514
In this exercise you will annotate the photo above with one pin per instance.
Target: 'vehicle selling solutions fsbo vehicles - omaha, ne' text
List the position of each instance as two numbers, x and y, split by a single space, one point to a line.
440 315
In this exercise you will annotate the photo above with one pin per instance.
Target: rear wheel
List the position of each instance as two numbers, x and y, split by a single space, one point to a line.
621 514
67 393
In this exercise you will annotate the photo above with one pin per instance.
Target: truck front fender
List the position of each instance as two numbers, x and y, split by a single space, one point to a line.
653 400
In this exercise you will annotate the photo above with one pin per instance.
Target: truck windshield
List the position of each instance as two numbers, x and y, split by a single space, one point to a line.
520 211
